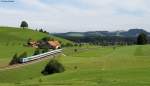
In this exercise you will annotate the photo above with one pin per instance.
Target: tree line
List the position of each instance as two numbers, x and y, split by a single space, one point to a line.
110 40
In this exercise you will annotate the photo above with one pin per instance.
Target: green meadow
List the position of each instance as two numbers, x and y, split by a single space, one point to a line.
89 66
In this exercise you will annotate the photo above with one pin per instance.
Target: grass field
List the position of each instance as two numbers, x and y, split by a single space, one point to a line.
89 66
12 40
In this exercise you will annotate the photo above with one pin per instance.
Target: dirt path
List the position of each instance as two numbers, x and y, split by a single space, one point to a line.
28 63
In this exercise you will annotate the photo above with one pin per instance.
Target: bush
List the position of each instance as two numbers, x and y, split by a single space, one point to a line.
68 45
47 39
23 55
37 51
75 50
46 49
14 60
53 67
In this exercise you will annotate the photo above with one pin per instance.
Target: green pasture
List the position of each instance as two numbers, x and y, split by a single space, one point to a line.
89 66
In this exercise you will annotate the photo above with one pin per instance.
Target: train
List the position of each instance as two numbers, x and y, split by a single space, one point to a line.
31 58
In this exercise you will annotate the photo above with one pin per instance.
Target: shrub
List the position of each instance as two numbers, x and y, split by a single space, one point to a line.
75 50
68 45
37 51
14 60
47 39
23 55
40 80
53 67
46 49
75 44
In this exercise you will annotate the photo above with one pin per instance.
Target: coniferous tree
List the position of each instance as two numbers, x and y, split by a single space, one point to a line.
41 30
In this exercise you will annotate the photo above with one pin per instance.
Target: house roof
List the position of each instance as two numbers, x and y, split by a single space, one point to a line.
54 44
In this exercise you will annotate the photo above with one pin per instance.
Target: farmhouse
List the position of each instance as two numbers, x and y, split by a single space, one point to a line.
54 44
49 44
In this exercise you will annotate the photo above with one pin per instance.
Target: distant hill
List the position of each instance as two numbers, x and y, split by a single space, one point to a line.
129 33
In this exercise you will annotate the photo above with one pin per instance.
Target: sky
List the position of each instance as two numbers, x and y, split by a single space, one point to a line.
76 15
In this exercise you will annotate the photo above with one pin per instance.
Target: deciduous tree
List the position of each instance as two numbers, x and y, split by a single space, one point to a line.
142 39
24 24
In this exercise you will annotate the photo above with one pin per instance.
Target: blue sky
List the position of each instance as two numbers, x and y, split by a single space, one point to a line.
77 15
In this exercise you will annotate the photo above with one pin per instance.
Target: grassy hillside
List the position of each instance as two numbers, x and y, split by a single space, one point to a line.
13 39
89 66
12 35
16 35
